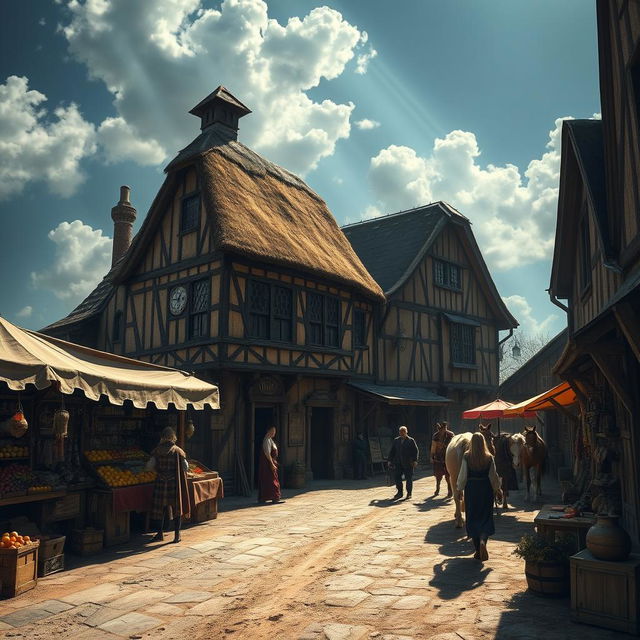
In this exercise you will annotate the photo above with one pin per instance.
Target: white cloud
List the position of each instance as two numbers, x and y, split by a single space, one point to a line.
36 147
25 312
362 63
82 257
119 142
522 310
366 124
160 57
513 213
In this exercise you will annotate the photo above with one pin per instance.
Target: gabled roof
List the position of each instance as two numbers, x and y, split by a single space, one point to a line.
582 163
220 94
391 247
257 210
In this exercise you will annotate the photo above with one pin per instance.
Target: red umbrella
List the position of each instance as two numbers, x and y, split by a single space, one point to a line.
493 409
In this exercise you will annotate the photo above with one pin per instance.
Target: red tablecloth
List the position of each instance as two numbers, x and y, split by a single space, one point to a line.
202 490
135 498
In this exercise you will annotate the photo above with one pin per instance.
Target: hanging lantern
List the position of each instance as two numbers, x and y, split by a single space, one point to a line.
189 428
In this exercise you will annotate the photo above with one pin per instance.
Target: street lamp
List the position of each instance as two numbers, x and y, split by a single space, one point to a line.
516 351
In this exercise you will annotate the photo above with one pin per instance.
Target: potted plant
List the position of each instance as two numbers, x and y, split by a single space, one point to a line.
546 563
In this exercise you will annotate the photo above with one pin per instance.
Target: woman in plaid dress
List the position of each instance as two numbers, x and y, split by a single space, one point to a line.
170 495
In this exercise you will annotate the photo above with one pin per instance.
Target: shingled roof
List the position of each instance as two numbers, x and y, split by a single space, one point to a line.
392 246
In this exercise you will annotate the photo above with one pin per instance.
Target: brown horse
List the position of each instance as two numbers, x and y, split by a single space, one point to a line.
453 460
507 450
534 454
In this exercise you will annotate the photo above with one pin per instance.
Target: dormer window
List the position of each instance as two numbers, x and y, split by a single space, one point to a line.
190 216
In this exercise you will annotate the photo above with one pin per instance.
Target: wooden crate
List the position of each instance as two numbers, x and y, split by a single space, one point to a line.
65 508
51 546
53 564
18 570
87 542
606 594
207 510
115 524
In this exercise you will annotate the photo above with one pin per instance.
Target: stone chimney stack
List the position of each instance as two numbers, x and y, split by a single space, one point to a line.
123 216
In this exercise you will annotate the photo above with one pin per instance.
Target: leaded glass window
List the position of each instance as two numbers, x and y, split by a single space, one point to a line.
259 303
332 326
190 215
359 328
282 309
199 309
447 274
315 316
463 343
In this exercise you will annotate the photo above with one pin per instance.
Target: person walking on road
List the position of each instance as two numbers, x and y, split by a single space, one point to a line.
403 459
268 481
441 439
480 482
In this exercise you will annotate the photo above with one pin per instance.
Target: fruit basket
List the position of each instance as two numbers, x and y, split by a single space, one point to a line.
14 452
15 479
198 471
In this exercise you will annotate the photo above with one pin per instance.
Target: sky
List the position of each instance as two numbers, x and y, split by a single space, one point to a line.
379 106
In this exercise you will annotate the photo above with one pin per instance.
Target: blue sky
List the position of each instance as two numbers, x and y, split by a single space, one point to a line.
380 106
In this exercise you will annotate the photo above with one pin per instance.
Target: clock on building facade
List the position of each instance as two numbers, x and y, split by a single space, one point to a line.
177 300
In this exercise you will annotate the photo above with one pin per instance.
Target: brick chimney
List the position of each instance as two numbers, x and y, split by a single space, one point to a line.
123 215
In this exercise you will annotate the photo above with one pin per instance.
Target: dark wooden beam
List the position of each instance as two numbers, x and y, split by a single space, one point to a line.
615 377
629 324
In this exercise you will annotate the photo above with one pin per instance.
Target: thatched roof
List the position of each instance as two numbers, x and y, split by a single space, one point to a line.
261 212
257 210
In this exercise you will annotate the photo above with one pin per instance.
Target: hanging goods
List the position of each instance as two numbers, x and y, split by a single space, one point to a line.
17 423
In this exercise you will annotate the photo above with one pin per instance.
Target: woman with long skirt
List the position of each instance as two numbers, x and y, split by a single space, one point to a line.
268 482
480 482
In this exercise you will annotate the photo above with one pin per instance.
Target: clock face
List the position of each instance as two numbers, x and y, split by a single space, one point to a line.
177 300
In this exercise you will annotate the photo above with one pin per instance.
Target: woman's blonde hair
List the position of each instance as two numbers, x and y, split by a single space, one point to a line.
478 456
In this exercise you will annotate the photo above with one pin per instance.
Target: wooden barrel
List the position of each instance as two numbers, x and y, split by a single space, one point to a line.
549 579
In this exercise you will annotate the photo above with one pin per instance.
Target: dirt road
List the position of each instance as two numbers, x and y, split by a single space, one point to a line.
341 562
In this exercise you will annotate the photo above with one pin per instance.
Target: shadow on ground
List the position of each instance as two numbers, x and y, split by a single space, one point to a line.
454 576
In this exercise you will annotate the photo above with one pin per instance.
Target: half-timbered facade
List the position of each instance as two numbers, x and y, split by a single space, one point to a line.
439 329
241 273
596 266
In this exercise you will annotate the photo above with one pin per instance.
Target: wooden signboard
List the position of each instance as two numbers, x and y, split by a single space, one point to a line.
386 442
375 451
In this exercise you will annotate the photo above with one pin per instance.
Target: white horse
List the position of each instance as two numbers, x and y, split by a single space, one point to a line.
453 460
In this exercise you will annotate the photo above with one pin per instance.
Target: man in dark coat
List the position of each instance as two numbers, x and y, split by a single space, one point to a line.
403 458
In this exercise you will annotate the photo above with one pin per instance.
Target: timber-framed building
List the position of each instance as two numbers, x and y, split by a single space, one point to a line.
596 268
241 273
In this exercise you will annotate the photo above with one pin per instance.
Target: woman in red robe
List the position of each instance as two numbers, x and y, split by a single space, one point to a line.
268 483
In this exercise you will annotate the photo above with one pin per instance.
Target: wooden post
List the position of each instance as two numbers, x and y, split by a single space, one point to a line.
181 422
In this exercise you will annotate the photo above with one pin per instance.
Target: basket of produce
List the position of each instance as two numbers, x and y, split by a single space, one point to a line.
198 471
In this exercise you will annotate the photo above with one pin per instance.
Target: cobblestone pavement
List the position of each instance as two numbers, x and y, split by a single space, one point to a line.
338 562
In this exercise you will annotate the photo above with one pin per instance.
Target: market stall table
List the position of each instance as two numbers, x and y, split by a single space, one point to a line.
550 521
203 497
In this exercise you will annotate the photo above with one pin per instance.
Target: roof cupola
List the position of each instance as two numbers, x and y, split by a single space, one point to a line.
222 111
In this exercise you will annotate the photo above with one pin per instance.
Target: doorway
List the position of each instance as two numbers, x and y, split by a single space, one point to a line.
321 442
264 417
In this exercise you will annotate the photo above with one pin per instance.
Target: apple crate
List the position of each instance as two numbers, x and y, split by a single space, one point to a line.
87 542
51 555
18 569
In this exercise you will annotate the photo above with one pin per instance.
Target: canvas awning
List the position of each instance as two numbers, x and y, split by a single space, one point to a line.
496 409
560 396
401 395
28 357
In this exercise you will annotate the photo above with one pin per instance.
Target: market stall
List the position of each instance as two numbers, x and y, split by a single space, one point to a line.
75 428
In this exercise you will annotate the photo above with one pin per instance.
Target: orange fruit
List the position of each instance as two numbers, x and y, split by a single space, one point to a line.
20 539
14 533
27 538
17 545
13 538
6 543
